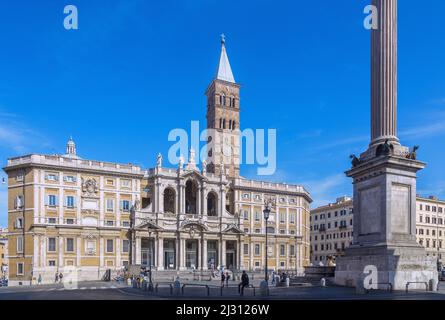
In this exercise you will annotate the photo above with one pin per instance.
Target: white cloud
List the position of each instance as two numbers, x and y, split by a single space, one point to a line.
326 190
17 136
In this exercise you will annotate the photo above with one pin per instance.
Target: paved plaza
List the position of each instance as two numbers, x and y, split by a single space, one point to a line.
198 290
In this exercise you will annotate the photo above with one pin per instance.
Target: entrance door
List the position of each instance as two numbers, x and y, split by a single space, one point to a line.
230 259
191 254
169 255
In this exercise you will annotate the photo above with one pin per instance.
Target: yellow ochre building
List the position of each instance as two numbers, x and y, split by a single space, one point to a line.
69 213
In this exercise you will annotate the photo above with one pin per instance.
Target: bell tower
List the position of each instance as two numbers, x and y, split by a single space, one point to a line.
223 120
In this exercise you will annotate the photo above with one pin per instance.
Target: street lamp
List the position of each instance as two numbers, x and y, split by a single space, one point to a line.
266 213
150 284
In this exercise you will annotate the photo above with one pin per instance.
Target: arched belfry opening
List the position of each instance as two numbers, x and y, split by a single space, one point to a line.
191 194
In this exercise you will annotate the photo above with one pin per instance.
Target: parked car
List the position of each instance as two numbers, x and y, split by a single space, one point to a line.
442 275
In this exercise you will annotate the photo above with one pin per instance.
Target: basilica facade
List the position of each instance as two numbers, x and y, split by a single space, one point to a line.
67 213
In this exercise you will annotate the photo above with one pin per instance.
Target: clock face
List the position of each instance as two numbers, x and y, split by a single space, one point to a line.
227 150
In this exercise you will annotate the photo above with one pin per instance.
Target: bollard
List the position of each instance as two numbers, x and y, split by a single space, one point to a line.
359 285
323 282
264 288
433 284
129 282
177 287
287 282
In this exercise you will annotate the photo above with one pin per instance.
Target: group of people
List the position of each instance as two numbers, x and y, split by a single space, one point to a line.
58 278
225 277
282 277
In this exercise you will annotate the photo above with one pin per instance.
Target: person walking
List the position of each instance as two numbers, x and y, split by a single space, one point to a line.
39 279
223 278
227 279
273 277
61 277
56 279
244 283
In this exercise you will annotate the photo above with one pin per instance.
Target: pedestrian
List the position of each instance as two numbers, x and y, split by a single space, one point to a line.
223 278
39 280
227 279
244 283
56 280
273 277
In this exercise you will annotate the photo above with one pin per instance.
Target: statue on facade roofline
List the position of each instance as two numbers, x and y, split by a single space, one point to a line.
159 160
181 162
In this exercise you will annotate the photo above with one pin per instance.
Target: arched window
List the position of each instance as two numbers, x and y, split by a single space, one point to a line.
230 124
224 124
220 123
222 100
169 200
234 125
191 189
212 209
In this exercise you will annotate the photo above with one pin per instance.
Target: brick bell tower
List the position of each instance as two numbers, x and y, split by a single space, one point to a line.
223 120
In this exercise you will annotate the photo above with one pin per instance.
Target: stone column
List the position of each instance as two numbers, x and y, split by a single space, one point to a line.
204 200
182 261
223 253
138 250
198 201
384 74
204 254
78 252
160 253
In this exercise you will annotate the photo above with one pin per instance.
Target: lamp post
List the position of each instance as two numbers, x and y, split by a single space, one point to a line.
150 284
264 286
266 213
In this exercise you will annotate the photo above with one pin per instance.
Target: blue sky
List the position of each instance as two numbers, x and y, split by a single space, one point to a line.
136 69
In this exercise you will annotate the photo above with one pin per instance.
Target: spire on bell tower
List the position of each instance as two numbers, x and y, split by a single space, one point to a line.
224 71
223 147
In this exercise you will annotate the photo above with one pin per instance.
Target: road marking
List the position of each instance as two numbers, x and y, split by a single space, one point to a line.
83 288
60 289
104 287
93 288
113 287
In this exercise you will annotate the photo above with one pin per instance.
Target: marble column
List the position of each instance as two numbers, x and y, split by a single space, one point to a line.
204 254
384 74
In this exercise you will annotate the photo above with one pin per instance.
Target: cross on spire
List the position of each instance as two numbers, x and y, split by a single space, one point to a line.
223 38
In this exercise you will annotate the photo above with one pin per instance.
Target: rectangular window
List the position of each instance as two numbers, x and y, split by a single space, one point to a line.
69 221
125 183
110 245
52 220
20 269
282 250
292 218
70 179
52 177
246 248
110 223
292 250
125 205
110 205
52 263
125 246
70 202
52 200
110 182
52 244
246 215
257 249
282 217
18 202
126 224
257 216
19 244
69 245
